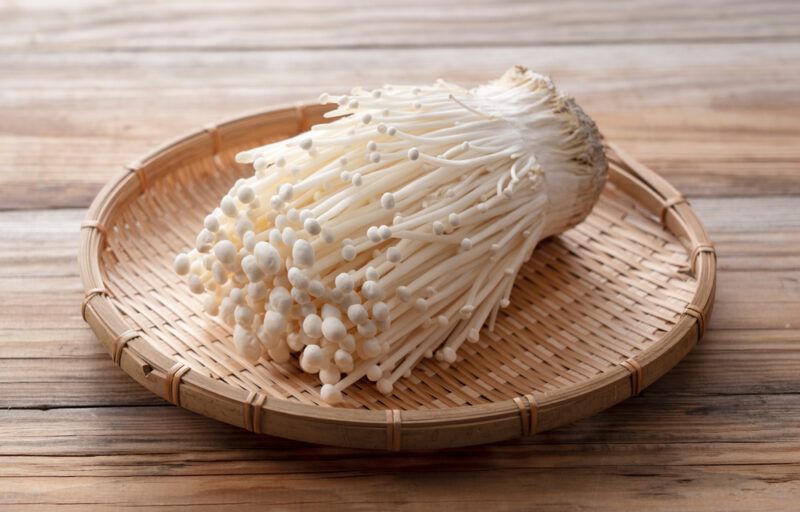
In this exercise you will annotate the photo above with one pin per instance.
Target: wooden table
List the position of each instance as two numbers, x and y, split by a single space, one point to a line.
707 93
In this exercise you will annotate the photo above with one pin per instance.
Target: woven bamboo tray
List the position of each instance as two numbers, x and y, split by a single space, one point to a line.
598 314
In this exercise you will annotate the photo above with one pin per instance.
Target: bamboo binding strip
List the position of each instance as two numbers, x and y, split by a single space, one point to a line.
598 313
528 413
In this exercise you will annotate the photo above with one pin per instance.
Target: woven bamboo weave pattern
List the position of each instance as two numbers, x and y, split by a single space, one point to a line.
596 308
585 302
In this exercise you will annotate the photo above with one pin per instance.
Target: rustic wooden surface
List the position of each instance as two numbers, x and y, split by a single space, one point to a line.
707 93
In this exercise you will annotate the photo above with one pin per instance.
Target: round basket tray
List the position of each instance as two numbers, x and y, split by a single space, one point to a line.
597 314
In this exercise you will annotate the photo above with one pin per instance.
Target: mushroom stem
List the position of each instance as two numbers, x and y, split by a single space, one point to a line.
394 232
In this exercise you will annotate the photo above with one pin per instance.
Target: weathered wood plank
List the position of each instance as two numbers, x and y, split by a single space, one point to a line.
715 119
782 215
648 419
701 488
34 308
248 25
769 359
50 358
775 250
45 374
280 458
45 383
762 230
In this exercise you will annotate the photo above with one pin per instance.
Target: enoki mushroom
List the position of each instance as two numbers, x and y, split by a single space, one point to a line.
394 232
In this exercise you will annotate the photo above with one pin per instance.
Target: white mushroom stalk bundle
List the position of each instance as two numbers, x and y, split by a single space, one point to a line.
395 232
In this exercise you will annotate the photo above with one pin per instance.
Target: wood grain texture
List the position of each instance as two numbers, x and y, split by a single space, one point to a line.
311 24
703 92
673 106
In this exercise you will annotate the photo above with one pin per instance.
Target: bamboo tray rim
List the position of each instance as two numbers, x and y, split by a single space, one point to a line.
524 415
